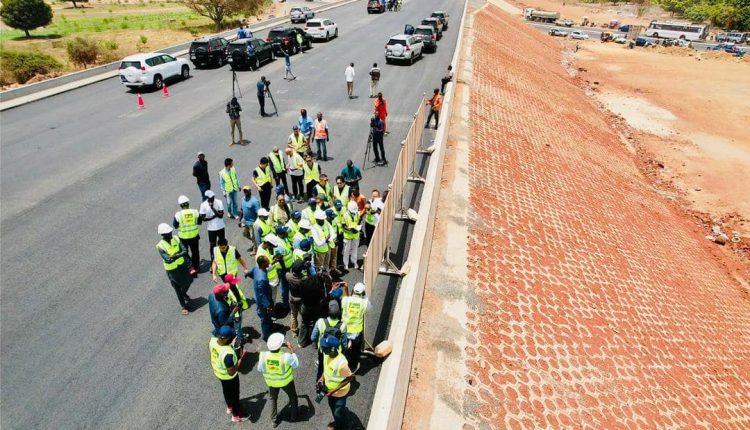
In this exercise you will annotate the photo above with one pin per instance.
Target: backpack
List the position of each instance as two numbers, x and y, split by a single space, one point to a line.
333 330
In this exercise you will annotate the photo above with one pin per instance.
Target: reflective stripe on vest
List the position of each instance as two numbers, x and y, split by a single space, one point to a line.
171 249
228 264
278 162
353 309
369 217
230 180
323 232
312 173
293 227
298 143
350 223
265 228
264 176
342 195
218 354
332 373
188 228
276 370
320 129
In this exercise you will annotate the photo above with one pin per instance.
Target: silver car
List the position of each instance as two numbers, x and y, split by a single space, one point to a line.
301 14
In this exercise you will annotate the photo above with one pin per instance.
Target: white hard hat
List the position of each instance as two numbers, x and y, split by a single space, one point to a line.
164 228
305 224
353 208
320 215
272 239
359 288
262 212
275 341
182 200
209 194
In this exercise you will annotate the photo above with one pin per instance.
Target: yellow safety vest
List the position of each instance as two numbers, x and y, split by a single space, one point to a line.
311 173
299 255
324 193
350 223
353 309
226 265
298 143
370 216
232 300
278 216
321 131
297 162
188 219
278 161
342 195
287 253
323 232
230 180
265 228
276 370
218 353
264 176
293 227
273 268
171 249
332 373
309 214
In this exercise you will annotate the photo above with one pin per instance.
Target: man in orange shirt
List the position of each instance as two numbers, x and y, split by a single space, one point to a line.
359 199
381 110
436 102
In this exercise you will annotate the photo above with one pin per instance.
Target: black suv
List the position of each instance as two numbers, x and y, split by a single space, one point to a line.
208 51
286 38
249 53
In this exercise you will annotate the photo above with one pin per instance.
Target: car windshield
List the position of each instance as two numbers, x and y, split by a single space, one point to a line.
198 45
277 33
126 64
427 22
425 31
436 15
296 9
397 42
314 24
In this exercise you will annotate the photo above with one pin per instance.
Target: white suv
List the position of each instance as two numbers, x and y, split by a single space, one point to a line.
321 28
152 69
403 47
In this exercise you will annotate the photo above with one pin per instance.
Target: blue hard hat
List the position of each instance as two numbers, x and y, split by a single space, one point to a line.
312 201
330 213
329 342
226 332
304 244
337 293
280 189
296 215
337 204
282 229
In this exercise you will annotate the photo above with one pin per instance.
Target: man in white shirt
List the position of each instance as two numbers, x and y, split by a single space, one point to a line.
278 370
212 214
349 74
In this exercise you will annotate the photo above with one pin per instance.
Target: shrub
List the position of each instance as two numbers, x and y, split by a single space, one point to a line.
24 65
124 25
111 45
83 51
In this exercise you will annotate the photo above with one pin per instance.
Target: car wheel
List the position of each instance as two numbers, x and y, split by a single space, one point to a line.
220 62
295 49
411 59
158 82
655 35
336 34
257 64
185 72
328 36
387 60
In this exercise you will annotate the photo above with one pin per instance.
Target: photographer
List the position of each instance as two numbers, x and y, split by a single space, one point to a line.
234 109
302 293
262 85
377 129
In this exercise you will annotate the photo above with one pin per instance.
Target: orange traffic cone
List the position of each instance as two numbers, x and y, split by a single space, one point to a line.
140 101
165 91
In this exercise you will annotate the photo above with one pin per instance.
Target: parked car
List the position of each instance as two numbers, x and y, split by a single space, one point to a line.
152 69
375 6
558 32
207 51
403 47
442 16
286 38
249 53
564 23
579 35
730 48
732 36
642 41
436 24
620 39
322 28
301 14
428 35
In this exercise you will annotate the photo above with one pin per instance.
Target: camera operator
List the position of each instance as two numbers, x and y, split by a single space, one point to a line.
234 109
262 85
377 129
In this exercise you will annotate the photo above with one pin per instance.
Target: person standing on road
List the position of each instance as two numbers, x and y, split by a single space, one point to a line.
280 212
341 191
378 131
298 281
234 109
354 311
323 238
312 175
321 136
300 42
296 171
305 124
278 371
435 103
330 325
187 222
324 191
230 186
381 110
218 308
374 79
226 262
226 365
351 174
337 378
297 142
352 226
261 87
212 213
288 66
263 299
279 167
349 75
173 252
200 171
262 180
249 207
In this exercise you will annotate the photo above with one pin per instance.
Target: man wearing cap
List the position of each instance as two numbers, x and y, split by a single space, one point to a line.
268 250
187 222
354 311
230 186
212 213
293 224
285 250
337 378
341 191
279 166
237 300
262 226
351 174
226 261
226 365
308 213
262 290
278 370
262 178
296 171
312 175
332 325
200 171
304 232
297 142
219 309
351 226
324 191
280 212
174 254
321 235
249 207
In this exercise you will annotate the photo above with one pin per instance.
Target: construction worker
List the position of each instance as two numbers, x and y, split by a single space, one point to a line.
249 207
435 103
280 212
262 290
324 191
321 233
296 171
285 250
331 219
212 213
305 232
293 223
331 325
354 311
278 371
226 365
338 208
312 175
279 166
262 180
174 254
303 252
337 378
230 186
262 226
219 309
308 213
351 226
237 300
297 142
268 249
226 261
321 135
341 191
187 222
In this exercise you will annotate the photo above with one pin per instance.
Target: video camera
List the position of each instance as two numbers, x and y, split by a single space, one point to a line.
321 391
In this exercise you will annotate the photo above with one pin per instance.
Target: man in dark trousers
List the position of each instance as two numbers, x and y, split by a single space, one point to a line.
233 110
378 131
200 171
262 177
226 366
187 222
176 263
261 87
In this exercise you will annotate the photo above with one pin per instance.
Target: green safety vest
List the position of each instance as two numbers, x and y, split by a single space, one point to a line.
321 326
277 161
311 173
287 253
324 193
342 195
277 215
369 216
188 219
264 176
232 300
230 180
293 227
276 370
349 225
273 268
171 249
332 373
323 232
265 228
299 255
353 310
218 353
226 265
309 214
298 143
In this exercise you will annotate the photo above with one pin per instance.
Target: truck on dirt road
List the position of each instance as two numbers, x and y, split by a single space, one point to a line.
531 14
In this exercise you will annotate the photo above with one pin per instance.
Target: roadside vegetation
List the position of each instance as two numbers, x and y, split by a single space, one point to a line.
726 14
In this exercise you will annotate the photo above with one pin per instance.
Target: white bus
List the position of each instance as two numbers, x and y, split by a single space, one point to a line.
677 30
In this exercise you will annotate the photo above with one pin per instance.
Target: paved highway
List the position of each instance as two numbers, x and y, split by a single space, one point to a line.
92 336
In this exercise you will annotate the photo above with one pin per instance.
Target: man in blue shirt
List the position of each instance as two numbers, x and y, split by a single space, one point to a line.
262 295
305 124
288 63
249 207
218 308
261 87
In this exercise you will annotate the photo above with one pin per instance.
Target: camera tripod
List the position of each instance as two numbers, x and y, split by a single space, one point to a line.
235 84
369 147
273 102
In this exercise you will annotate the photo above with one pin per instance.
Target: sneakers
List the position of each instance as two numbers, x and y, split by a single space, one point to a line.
239 419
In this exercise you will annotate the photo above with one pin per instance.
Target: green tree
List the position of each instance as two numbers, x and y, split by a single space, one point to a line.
26 14
218 10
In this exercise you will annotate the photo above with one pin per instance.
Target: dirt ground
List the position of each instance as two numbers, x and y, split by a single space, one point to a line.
597 13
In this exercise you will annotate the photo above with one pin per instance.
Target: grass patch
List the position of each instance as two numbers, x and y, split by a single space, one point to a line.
20 66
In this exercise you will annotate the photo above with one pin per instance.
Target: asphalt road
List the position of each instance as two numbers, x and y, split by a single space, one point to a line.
91 333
